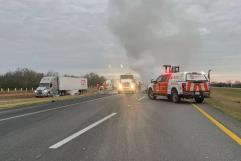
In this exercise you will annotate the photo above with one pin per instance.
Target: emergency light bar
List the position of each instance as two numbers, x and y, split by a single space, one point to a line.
171 69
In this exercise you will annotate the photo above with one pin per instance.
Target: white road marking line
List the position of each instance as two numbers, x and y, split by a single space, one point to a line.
75 135
52 109
20 109
141 98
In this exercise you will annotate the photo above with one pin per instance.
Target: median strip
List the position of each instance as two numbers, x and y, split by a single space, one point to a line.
75 135
228 132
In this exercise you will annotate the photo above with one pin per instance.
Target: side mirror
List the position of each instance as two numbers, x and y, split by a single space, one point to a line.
153 81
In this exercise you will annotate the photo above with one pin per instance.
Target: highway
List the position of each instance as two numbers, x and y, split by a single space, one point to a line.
126 127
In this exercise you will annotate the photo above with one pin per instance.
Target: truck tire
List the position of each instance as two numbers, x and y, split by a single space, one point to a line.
169 97
151 94
199 99
175 97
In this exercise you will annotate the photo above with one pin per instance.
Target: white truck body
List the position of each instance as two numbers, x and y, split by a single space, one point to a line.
69 83
50 86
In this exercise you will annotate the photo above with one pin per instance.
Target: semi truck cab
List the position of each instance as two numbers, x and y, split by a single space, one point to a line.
48 86
127 84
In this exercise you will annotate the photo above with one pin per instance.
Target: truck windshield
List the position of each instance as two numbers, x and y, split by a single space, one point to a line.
196 77
126 77
44 85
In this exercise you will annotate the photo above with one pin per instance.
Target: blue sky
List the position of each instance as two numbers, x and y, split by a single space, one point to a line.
75 37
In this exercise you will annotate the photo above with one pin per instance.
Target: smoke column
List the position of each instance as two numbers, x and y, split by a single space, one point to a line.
154 33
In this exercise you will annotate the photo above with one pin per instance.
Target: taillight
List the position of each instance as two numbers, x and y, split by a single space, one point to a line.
183 86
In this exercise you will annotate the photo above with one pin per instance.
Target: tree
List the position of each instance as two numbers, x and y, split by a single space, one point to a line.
21 78
52 73
94 79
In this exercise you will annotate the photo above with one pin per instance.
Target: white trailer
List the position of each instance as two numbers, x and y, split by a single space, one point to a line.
72 85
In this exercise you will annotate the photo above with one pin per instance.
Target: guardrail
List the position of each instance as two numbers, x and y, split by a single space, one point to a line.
3 90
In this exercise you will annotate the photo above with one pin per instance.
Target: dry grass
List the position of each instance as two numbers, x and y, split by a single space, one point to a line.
15 100
14 95
227 100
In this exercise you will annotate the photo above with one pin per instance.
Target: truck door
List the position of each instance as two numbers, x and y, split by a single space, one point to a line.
54 86
163 84
157 86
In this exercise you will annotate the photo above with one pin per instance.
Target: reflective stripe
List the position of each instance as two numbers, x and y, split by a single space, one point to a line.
189 86
197 87
205 86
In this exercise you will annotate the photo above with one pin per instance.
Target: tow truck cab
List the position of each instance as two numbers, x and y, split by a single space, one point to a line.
180 85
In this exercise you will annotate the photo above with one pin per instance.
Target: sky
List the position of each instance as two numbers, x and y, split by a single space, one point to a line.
81 36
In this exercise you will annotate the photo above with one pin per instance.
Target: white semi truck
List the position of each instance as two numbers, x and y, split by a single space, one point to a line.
127 84
50 86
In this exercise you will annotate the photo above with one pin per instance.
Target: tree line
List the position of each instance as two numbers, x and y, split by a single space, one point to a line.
236 84
27 78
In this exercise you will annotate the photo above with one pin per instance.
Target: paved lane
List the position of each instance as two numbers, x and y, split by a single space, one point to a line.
141 129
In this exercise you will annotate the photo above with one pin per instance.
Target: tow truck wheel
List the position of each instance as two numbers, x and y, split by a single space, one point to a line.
169 97
151 94
175 97
199 99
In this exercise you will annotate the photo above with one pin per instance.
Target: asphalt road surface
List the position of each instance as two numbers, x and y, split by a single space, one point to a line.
113 128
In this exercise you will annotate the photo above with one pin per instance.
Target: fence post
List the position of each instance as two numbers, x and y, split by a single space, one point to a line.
15 89
8 89
26 89
21 89
32 88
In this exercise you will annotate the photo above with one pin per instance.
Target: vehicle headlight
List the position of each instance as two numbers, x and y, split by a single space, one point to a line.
35 91
132 86
120 86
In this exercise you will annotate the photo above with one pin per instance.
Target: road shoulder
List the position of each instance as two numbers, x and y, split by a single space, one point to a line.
228 121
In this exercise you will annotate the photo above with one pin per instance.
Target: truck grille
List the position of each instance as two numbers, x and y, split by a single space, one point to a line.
39 92
126 84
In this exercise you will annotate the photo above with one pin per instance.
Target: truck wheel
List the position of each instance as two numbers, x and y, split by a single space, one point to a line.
199 99
175 97
169 97
151 94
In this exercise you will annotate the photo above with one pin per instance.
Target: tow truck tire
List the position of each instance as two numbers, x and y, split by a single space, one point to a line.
199 99
175 97
169 97
151 94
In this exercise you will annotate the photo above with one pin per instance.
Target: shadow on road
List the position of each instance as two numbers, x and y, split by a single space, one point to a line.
181 102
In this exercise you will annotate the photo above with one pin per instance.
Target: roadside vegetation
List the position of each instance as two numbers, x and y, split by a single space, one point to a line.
27 78
227 100
17 87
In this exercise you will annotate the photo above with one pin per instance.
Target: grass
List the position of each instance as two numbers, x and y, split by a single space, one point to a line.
20 102
227 100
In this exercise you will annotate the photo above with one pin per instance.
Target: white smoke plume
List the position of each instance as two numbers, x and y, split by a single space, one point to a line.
154 33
